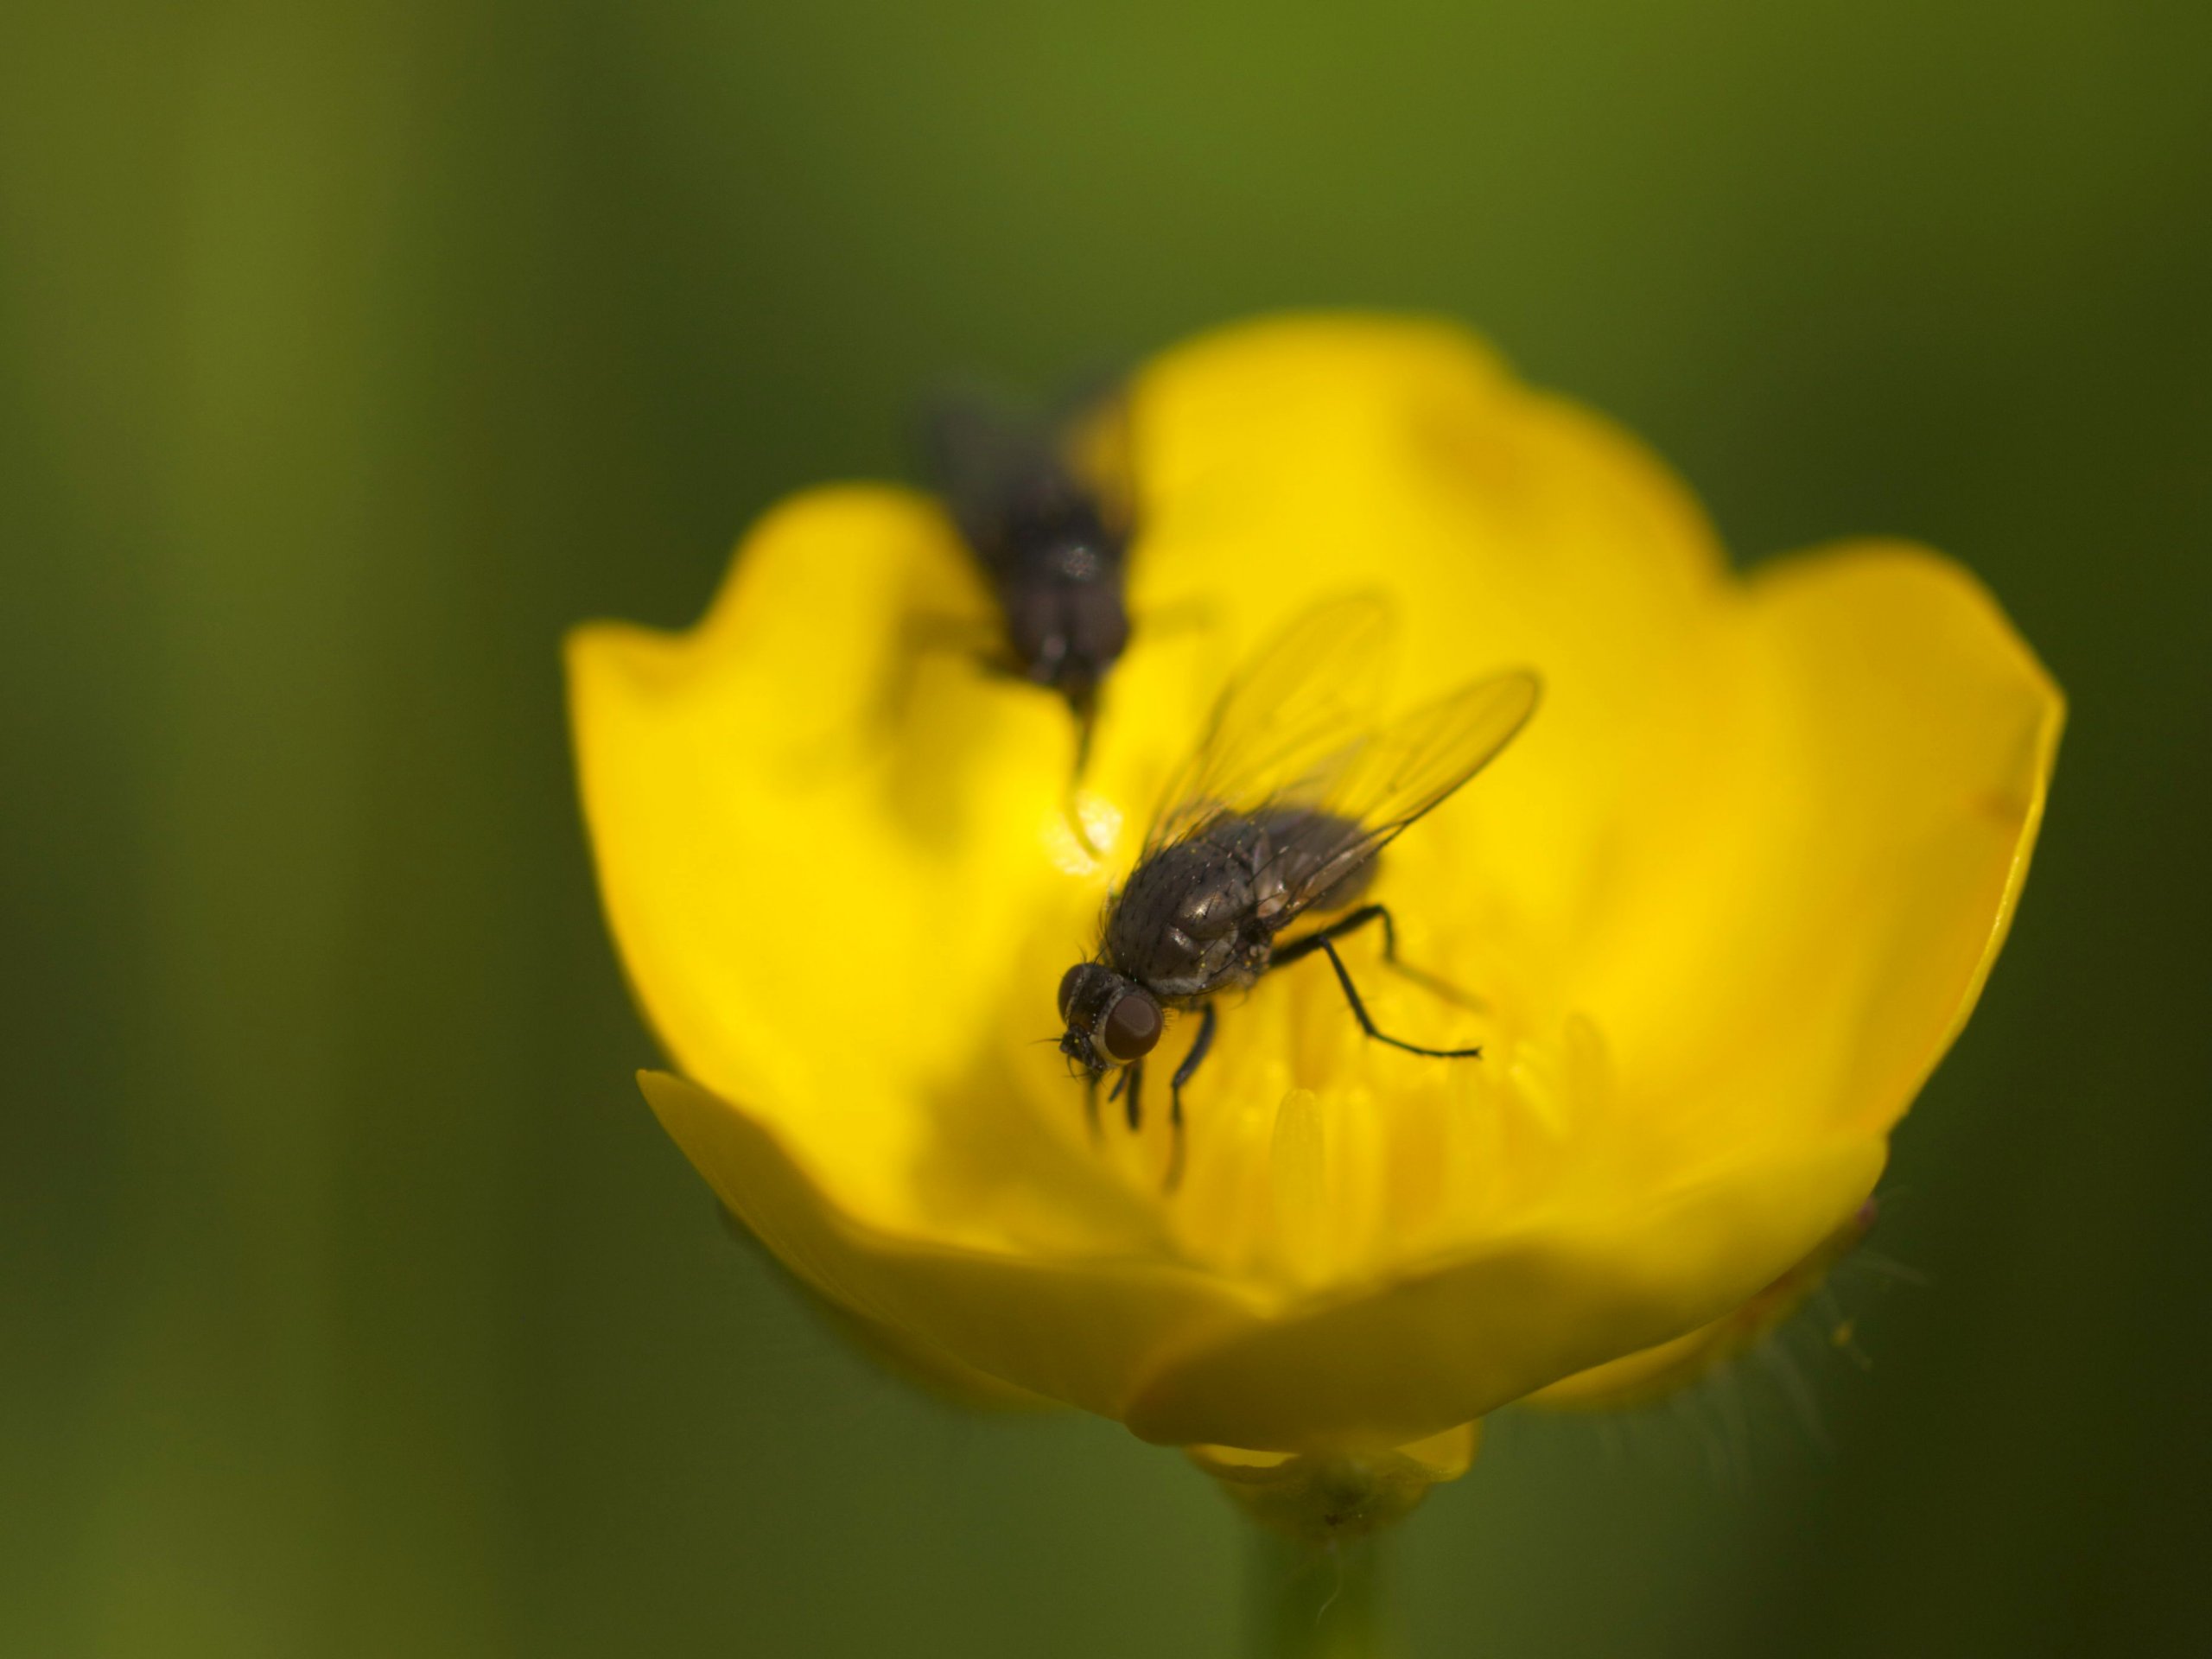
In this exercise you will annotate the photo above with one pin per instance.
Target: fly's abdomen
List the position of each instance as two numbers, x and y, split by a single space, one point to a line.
1066 632
1321 858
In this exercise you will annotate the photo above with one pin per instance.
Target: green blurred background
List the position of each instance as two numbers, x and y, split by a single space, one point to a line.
351 1301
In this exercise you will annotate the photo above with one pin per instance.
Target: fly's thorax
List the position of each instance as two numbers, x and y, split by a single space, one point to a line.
1055 529
1181 925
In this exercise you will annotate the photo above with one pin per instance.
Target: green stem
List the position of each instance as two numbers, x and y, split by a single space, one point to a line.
1310 1602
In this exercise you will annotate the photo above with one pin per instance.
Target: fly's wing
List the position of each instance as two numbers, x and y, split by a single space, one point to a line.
1395 777
1295 716
985 456
1097 448
992 459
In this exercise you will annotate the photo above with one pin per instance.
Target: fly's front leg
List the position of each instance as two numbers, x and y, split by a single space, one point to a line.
1133 1102
1184 1073
977 637
1325 941
1085 708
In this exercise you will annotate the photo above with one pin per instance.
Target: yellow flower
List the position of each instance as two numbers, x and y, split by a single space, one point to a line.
1722 907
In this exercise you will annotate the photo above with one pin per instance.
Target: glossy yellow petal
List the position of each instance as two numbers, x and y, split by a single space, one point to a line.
1851 890
1400 1360
931 1369
1298 456
819 823
1073 1329
1800 932
1651 1373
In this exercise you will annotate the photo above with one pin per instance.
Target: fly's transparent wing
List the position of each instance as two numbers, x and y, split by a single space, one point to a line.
985 456
1395 777
1295 714
1097 448
997 462
1411 765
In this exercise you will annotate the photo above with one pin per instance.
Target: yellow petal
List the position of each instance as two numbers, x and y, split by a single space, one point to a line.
1651 1373
1400 1361
1298 456
1799 933
931 1369
1851 888
1077 1330
818 823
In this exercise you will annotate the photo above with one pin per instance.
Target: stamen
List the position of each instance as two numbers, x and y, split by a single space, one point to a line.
1316 1155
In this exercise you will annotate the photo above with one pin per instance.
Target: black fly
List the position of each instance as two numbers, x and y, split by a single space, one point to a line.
1041 505
1282 810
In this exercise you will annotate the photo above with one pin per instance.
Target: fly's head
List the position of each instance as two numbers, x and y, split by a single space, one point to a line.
1111 1020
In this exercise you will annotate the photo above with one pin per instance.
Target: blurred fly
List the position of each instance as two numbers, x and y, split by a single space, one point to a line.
1045 505
1282 811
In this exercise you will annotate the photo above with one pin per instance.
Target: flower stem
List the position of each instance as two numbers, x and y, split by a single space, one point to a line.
1316 1603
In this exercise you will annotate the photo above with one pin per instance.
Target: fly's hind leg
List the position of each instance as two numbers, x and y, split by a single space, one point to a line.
1443 989
981 638
1324 941
1440 988
1366 1022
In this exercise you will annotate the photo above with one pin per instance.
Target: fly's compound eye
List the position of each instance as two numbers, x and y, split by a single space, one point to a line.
1131 1029
1069 983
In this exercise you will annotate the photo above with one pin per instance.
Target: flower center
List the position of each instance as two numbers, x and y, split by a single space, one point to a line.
1315 1154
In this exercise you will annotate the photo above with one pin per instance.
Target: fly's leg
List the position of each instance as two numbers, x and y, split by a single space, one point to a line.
1133 1105
1184 1073
1090 1105
963 636
1324 941
1441 988
1083 705
1085 710
1367 1024
1349 922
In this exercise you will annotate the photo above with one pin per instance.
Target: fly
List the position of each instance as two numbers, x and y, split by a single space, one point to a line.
1041 506
1282 811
